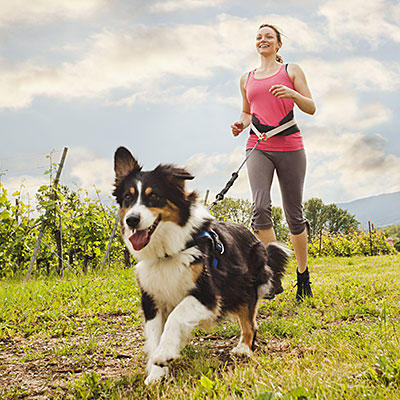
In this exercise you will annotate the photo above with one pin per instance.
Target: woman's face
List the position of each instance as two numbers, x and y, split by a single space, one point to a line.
267 42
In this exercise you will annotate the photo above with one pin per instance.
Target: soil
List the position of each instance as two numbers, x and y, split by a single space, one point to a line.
43 368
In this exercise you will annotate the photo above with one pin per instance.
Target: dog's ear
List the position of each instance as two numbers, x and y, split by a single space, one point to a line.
176 176
181 174
124 163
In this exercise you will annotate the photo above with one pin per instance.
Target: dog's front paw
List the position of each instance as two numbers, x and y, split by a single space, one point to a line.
163 356
242 350
156 374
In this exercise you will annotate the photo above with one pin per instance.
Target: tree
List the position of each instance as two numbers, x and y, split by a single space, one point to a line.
314 211
234 210
330 217
280 227
241 212
339 220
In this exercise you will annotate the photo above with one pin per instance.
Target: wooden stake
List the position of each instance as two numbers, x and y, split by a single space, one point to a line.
42 226
106 257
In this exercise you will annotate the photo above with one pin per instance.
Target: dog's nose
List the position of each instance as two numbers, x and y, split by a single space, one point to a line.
133 221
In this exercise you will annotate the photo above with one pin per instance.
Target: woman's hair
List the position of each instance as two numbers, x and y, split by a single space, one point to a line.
278 37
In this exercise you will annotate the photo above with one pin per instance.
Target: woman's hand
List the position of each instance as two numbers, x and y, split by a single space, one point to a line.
282 92
237 128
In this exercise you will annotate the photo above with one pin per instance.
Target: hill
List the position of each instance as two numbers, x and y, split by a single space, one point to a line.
381 210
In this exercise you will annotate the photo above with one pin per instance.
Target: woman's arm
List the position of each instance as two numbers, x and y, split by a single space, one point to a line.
245 116
301 94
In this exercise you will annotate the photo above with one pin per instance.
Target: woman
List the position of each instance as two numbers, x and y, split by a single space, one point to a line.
269 94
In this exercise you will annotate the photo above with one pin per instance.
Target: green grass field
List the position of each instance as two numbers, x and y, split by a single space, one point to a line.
81 338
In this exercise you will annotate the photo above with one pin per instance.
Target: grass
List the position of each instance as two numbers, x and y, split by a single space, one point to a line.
81 338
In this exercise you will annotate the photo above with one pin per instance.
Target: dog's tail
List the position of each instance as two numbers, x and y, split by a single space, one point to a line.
278 257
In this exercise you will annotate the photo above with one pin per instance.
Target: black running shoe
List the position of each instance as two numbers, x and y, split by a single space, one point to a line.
303 285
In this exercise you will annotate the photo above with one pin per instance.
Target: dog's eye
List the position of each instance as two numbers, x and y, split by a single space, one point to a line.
154 197
154 200
128 197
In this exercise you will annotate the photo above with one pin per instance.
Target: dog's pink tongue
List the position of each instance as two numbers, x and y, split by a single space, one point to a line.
139 239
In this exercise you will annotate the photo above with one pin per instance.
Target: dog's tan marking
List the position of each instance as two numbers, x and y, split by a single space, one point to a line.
148 191
197 269
122 213
168 213
246 317
132 190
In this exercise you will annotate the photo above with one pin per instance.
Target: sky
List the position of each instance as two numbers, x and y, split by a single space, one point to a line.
162 79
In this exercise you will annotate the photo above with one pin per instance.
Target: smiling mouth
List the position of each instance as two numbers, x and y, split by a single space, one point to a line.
140 238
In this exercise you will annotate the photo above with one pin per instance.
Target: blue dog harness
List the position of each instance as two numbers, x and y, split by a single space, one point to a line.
212 239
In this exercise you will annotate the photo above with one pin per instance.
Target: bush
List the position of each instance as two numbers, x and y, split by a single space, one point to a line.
354 243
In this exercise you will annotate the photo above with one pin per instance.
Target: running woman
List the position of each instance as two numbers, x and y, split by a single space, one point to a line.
269 94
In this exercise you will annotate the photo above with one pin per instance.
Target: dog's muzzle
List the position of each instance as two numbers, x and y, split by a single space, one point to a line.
140 238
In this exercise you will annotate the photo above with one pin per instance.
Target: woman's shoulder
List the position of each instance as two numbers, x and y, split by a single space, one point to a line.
293 68
294 71
246 75
244 78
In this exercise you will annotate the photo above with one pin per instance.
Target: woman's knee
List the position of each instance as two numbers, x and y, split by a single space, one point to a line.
262 217
296 225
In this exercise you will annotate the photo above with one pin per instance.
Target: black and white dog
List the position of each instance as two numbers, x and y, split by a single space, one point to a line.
192 270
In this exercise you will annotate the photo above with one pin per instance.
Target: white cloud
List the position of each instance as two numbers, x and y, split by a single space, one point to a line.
176 5
371 20
350 165
82 169
89 171
356 74
26 185
145 54
40 11
215 170
189 97
341 109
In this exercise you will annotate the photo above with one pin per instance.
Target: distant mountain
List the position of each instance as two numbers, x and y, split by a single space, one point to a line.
381 210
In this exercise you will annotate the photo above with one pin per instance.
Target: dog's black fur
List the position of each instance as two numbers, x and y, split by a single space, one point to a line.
184 281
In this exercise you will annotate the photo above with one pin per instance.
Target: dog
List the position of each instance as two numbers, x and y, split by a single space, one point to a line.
192 270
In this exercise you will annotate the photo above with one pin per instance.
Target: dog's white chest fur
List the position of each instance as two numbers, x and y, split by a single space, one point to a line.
168 281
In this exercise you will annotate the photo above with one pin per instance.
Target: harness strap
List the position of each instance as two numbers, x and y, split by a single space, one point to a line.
217 247
273 131
286 126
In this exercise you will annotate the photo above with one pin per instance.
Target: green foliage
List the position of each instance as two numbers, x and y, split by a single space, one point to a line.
241 212
82 226
353 243
280 227
329 217
82 337
92 386
393 232
238 211
386 370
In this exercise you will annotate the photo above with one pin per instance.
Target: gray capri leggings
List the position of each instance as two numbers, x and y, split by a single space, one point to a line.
290 167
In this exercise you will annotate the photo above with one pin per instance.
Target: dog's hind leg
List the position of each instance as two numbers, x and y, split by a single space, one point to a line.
246 315
188 314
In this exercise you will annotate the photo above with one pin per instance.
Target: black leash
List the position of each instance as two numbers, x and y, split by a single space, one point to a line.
235 175
261 136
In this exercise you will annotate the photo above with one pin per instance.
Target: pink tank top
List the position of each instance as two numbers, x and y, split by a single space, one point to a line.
270 110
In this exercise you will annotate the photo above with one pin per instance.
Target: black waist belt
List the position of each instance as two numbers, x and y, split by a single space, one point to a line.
287 126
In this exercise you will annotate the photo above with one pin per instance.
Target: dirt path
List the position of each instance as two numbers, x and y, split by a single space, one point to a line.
35 368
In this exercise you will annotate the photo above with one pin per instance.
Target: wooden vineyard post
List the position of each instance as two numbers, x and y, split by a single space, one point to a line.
206 198
370 238
106 257
42 226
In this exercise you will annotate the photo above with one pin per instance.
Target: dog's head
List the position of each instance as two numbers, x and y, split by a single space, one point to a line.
149 198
